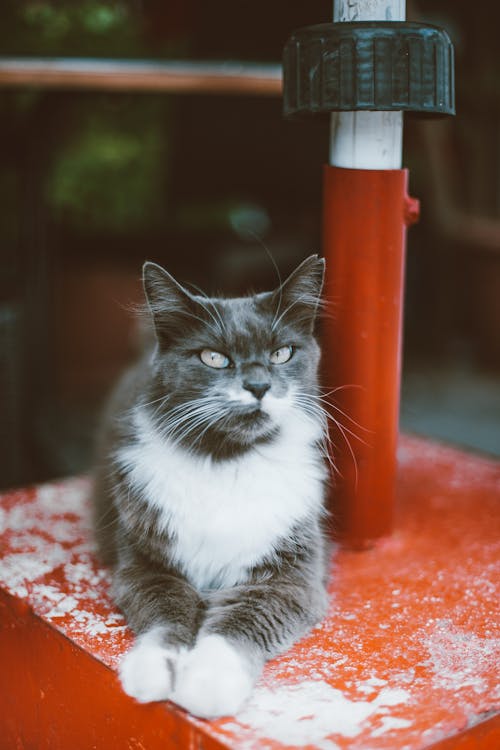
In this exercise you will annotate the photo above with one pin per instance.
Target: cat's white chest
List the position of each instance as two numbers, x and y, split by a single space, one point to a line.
226 516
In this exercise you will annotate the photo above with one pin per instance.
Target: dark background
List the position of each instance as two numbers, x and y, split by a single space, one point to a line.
91 184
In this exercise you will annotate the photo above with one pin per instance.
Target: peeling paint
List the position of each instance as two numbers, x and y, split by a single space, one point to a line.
306 713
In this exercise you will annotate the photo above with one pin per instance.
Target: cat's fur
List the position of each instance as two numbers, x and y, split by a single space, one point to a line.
209 495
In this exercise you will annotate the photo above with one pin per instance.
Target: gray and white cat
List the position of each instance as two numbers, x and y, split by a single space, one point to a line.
209 498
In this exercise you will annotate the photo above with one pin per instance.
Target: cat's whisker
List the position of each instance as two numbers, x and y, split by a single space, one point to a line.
216 332
181 416
326 453
192 425
216 316
274 264
314 411
180 431
349 431
278 308
191 420
312 403
263 245
350 449
332 405
103 516
308 300
341 388
209 426
336 420
192 407
326 445
161 400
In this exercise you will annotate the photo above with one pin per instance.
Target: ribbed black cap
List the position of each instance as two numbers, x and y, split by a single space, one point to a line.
371 65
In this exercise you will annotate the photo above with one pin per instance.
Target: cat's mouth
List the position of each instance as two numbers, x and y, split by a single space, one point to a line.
249 414
248 421
254 416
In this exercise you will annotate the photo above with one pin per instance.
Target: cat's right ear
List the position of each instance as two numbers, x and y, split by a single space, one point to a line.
169 303
298 297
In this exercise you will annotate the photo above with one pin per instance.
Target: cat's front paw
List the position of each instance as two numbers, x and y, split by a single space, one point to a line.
213 679
147 671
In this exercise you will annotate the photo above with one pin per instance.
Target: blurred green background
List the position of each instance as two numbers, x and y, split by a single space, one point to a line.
91 184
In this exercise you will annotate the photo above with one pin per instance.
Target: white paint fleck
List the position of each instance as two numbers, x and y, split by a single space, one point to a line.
327 745
376 682
114 619
389 723
64 497
19 569
391 697
17 518
93 625
64 605
368 689
82 573
459 658
311 712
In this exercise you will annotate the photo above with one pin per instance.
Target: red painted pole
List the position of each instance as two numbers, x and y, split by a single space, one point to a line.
365 217
365 69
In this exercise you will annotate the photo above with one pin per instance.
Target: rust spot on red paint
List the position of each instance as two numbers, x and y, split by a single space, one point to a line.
411 210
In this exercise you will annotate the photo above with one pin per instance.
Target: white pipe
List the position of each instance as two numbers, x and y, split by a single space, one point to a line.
367 140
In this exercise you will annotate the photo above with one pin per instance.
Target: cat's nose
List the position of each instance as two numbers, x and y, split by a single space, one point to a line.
259 389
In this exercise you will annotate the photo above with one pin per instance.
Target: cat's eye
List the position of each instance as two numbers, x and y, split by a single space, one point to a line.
214 359
281 355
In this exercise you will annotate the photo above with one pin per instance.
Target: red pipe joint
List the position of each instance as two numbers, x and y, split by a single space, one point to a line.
365 217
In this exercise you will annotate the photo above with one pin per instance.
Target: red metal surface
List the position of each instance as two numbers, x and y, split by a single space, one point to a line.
407 656
482 736
56 696
365 216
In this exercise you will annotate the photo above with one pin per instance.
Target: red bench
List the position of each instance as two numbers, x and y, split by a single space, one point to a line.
407 657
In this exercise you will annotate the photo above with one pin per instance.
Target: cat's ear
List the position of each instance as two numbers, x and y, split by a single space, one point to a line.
298 298
169 303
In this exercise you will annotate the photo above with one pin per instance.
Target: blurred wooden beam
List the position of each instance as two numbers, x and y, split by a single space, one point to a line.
142 75
465 230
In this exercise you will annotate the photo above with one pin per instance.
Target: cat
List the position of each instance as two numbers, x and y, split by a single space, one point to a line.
209 493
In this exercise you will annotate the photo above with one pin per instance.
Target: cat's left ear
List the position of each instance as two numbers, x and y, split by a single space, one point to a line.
298 298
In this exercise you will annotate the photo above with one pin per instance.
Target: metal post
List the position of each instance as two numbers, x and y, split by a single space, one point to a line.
365 215
364 244
367 67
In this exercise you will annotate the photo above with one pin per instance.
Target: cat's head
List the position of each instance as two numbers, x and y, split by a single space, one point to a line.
229 373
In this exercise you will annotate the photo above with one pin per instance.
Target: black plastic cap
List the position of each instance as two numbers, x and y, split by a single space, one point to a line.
371 65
